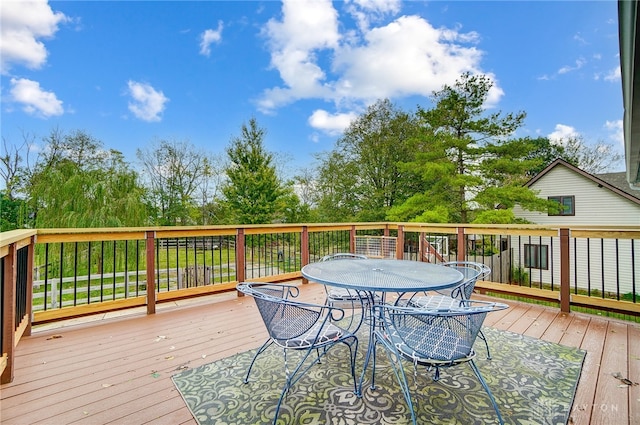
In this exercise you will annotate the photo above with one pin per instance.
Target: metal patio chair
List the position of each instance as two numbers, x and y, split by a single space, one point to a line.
345 298
434 339
340 295
294 325
448 298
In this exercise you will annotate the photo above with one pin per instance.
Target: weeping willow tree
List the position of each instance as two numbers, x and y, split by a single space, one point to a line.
77 183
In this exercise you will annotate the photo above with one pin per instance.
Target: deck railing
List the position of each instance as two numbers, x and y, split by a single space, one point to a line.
54 274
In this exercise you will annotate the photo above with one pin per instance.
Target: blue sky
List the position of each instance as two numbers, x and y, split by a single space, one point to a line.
131 73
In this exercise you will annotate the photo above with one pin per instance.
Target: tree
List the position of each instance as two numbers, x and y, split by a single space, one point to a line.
12 168
361 178
176 172
465 159
592 159
253 192
77 183
14 172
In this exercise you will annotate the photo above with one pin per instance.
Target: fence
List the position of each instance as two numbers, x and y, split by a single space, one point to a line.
55 274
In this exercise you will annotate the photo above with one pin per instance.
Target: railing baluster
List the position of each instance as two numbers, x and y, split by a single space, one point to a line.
89 272
617 272
46 275
602 267
114 271
633 270
101 269
589 266
126 269
75 274
58 292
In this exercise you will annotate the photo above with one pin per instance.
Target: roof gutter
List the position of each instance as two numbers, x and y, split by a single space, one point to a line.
629 63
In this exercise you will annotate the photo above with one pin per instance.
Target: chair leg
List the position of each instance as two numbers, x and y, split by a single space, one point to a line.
396 364
486 343
285 389
299 371
261 350
486 388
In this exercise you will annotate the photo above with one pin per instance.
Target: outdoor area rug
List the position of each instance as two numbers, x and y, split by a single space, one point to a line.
533 381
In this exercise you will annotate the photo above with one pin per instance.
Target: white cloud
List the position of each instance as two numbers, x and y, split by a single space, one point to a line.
333 124
22 25
562 133
147 103
405 57
35 101
306 28
617 131
366 11
566 69
613 75
209 37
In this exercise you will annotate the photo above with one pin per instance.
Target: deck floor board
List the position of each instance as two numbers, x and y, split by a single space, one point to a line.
118 370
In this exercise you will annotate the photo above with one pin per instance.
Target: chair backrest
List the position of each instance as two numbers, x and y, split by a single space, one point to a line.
285 319
343 256
483 270
472 271
439 335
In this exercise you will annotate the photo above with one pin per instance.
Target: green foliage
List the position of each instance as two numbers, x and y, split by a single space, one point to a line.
467 163
361 178
519 275
290 208
415 209
495 217
11 212
76 183
253 190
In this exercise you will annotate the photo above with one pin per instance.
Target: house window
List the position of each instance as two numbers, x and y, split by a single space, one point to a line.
536 256
567 205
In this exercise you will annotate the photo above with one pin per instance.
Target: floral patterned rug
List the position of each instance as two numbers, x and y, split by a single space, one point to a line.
533 382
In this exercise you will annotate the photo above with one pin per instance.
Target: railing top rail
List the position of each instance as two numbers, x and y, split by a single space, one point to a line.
130 233
13 236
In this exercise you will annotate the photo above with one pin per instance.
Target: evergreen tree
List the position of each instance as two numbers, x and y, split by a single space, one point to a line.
465 158
253 192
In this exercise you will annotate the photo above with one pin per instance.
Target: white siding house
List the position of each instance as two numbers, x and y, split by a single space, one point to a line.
605 263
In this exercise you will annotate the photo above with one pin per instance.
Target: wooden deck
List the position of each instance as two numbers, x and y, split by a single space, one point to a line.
117 370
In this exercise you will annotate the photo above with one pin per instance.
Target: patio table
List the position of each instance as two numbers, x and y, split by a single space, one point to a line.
381 276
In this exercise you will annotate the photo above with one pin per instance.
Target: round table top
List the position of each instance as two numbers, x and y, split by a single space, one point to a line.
378 275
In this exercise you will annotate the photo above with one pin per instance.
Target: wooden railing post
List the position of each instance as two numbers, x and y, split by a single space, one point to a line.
9 313
151 272
565 267
352 239
240 261
400 243
462 245
304 250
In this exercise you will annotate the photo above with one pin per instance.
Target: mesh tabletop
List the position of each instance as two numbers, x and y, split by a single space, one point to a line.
383 275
